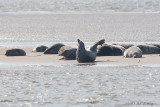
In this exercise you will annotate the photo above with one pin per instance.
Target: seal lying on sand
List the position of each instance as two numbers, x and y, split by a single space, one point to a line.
157 45
89 55
53 49
15 52
110 50
68 52
149 49
133 52
40 48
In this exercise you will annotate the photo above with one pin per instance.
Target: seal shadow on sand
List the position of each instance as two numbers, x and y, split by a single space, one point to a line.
92 63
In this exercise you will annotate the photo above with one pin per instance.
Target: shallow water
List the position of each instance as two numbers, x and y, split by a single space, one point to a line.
72 85
32 29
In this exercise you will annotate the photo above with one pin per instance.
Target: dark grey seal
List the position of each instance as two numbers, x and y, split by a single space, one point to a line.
40 48
89 55
149 49
15 52
157 45
110 50
133 52
53 49
68 53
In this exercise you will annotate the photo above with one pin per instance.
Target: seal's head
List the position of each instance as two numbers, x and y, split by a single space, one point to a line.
101 42
135 55
80 44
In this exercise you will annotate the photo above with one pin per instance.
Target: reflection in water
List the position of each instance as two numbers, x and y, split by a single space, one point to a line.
85 64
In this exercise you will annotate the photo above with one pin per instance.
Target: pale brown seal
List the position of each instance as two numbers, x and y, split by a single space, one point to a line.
89 55
68 52
133 52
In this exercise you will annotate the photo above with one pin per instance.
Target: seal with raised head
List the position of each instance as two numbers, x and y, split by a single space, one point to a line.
149 49
40 48
110 50
133 52
15 52
87 55
53 49
68 53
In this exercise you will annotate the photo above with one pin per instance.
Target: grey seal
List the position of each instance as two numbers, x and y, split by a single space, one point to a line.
40 48
68 52
87 55
133 52
110 50
149 49
53 49
157 45
15 52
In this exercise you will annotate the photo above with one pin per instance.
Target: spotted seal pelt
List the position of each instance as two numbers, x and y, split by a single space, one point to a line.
15 52
110 50
53 49
68 53
40 48
87 55
149 49
133 52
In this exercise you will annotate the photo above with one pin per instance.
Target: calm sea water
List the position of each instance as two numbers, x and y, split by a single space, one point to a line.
32 29
52 85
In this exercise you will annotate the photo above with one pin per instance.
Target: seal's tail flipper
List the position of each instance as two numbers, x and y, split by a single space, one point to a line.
100 42
62 58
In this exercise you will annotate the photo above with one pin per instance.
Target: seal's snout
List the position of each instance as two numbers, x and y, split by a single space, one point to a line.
78 40
103 41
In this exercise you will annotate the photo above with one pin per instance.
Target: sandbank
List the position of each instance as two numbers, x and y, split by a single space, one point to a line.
39 57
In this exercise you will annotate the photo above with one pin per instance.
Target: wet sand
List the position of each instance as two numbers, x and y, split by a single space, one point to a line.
39 57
